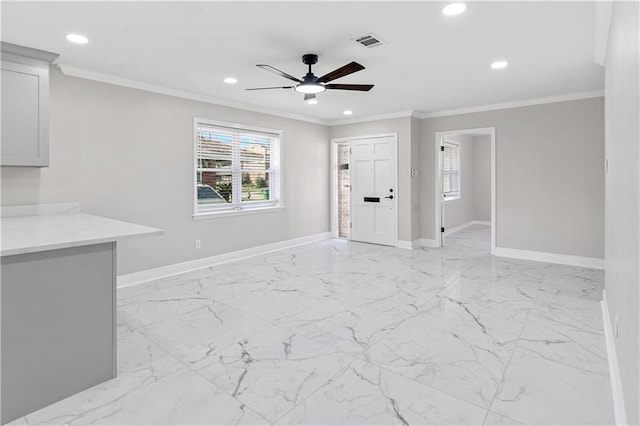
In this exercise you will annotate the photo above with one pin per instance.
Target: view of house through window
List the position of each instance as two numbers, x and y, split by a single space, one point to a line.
236 169
451 171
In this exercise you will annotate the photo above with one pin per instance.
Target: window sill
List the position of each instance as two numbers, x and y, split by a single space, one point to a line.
232 213
449 199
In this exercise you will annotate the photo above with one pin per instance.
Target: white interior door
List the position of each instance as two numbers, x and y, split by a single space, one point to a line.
373 196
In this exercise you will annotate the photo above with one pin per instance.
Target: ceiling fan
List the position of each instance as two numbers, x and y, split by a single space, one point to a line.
310 85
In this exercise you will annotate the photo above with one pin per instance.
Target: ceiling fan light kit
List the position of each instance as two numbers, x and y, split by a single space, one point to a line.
310 85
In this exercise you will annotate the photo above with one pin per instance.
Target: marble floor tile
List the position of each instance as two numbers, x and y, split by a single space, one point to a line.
496 322
196 335
20 421
538 390
224 286
574 282
273 371
338 332
450 361
345 328
146 308
495 419
273 304
364 394
183 398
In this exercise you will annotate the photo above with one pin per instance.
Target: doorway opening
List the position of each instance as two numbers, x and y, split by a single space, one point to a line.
364 189
465 189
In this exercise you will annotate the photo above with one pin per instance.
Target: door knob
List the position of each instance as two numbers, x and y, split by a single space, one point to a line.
389 197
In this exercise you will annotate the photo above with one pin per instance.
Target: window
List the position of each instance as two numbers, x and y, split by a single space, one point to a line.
451 171
236 168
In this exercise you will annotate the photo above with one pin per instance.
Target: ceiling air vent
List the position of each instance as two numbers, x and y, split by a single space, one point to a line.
369 40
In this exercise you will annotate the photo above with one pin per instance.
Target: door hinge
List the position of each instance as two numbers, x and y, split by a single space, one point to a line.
441 147
442 229
350 224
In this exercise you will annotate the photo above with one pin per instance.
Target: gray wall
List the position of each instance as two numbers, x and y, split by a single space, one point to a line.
482 178
550 175
408 209
128 154
622 212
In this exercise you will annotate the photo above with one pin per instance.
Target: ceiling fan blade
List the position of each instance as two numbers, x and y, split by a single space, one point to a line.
266 88
280 73
309 96
341 72
361 87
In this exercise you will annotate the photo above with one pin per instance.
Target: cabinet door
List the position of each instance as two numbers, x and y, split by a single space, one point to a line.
25 118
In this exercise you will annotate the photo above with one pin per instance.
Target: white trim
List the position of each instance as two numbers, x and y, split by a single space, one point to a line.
408 245
614 368
231 213
428 242
481 222
378 117
191 265
439 137
466 225
540 256
515 104
118 81
601 37
457 228
110 79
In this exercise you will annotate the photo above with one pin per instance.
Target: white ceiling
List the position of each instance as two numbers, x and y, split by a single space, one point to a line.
430 62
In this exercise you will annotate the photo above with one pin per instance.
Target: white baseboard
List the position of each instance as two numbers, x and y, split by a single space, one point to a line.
539 256
409 245
428 242
614 368
466 225
205 262
481 222
457 228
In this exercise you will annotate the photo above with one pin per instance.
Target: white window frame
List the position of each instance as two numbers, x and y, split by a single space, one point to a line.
239 207
457 195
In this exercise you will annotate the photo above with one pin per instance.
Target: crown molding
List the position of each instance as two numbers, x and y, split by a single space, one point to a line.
378 117
515 104
111 79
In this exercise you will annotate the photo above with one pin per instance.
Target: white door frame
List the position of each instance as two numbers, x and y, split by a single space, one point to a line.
334 179
485 131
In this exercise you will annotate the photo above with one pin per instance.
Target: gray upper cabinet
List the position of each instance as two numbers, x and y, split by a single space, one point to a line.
25 106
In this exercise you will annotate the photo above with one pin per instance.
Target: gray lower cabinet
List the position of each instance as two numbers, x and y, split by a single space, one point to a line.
58 325
25 106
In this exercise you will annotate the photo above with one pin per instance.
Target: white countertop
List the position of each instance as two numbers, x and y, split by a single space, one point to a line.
28 234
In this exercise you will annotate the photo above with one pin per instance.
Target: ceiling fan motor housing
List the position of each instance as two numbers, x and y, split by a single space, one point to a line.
309 59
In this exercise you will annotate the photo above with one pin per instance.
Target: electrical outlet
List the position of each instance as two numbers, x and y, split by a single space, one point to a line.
198 244
615 327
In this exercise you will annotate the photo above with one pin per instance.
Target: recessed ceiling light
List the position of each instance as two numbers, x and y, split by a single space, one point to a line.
454 9
77 38
499 64
230 80
312 101
347 112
